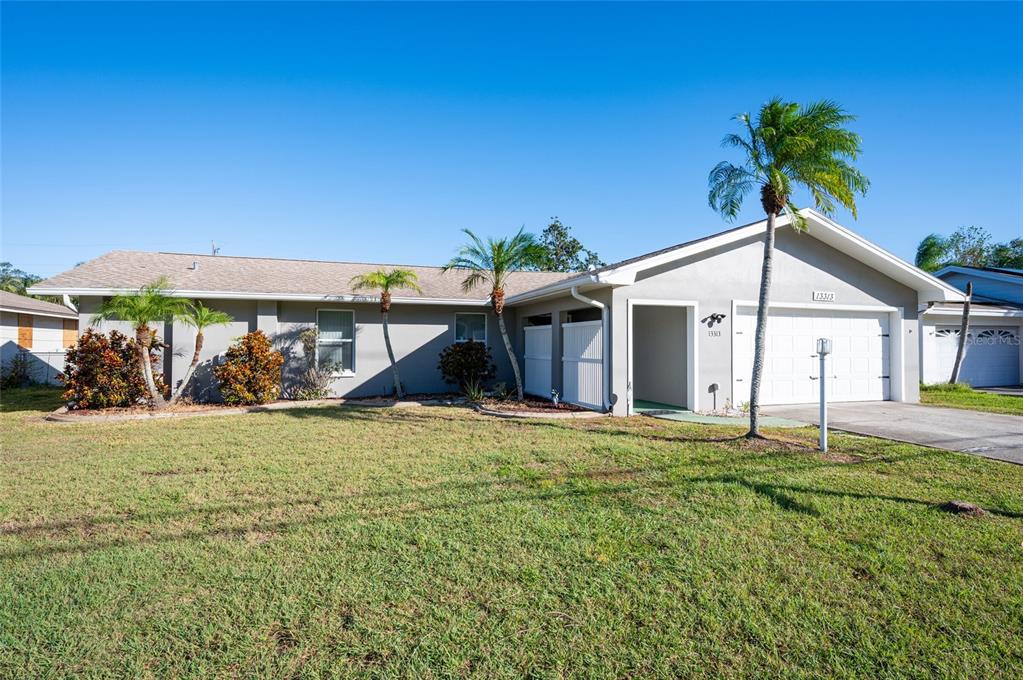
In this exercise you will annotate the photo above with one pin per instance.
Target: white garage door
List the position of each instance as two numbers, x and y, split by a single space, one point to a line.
992 355
538 361
858 366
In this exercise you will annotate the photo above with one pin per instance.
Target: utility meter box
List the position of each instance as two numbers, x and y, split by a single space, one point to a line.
823 346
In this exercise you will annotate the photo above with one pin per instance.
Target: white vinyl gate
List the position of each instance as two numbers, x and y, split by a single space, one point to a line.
582 364
538 361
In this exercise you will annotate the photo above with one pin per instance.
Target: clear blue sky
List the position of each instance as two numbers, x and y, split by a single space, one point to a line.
373 133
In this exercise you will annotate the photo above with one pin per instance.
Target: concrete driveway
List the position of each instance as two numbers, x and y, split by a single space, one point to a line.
991 435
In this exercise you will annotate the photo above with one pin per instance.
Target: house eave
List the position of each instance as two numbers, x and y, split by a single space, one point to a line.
239 295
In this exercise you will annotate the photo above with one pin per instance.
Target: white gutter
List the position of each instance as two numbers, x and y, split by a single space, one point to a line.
232 295
606 342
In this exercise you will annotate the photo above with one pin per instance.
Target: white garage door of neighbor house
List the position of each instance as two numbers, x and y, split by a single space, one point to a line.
858 367
582 368
538 361
992 355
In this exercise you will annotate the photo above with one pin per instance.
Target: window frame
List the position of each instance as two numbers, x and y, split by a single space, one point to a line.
345 373
486 329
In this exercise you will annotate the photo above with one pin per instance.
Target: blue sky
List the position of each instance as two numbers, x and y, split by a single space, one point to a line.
375 132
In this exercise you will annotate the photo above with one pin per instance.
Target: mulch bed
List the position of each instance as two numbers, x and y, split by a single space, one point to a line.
531 405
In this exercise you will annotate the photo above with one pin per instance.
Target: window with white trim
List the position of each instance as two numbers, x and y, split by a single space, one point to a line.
470 327
335 340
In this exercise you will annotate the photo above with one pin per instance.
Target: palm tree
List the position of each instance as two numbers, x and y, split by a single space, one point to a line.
386 281
786 147
490 264
152 302
932 252
200 317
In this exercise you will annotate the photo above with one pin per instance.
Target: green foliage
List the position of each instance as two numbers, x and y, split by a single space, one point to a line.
475 392
314 381
14 280
17 372
467 363
104 372
199 316
152 302
786 147
251 371
490 263
968 246
562 252
387 280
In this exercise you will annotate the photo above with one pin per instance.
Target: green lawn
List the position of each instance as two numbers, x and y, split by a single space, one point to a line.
434 542
963 396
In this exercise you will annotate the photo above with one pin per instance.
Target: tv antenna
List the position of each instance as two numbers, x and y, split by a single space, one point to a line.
213 247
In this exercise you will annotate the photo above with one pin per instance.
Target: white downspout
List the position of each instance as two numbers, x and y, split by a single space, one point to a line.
606 341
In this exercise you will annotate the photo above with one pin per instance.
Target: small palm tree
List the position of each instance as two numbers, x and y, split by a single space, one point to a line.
490 264
788 146
386 281
200 317
152 302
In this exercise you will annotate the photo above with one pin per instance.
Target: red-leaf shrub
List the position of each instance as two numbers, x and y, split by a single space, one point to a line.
467 363
104 372
251 371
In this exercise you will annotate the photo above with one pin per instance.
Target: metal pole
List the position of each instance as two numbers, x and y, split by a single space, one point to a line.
824 406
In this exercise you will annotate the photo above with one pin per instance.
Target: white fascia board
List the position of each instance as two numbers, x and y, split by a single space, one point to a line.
296 297
583 282
57 315
957 312
966 271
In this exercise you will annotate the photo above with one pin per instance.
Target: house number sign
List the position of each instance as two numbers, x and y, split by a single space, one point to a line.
824 296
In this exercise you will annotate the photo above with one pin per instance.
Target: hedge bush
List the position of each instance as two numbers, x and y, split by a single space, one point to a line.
104 372
467 364
251 371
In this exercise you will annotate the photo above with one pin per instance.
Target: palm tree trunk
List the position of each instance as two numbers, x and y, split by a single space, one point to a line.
760 339
390 355
511 356
964 332
191 369
142 338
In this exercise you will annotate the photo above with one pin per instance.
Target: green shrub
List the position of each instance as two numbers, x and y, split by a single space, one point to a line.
251 371
17 372
104 372
314 381
467 363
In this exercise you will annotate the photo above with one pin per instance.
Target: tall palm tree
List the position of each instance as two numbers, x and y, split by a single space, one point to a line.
932 252
152 302
200 317
490 264
786 147
386 281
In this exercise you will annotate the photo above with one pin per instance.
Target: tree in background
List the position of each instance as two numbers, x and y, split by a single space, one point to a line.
490 264
968 247
14 280
386 281
786 147
562 252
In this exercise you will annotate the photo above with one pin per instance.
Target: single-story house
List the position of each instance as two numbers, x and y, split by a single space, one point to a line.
673 327
994 353
38 329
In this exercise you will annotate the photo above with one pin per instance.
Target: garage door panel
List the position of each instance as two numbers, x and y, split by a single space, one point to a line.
860 357
992 355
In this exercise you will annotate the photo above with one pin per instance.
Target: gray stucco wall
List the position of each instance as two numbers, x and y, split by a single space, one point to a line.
802 264
659 371
418 334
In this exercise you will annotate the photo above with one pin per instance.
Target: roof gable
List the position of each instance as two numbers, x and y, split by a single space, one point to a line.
928 287
11 302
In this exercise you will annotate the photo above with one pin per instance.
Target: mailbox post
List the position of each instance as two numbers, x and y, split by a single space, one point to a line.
823 350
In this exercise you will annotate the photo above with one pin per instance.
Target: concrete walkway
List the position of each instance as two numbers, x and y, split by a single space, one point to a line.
677 413
991 435
1016 391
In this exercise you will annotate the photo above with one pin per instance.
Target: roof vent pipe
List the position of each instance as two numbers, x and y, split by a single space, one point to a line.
195 265
605 360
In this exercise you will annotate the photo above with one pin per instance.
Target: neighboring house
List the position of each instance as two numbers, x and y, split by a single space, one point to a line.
42 330
994 353
674 326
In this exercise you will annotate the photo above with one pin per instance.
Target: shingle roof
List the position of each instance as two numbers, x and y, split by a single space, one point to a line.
26 305
213 275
